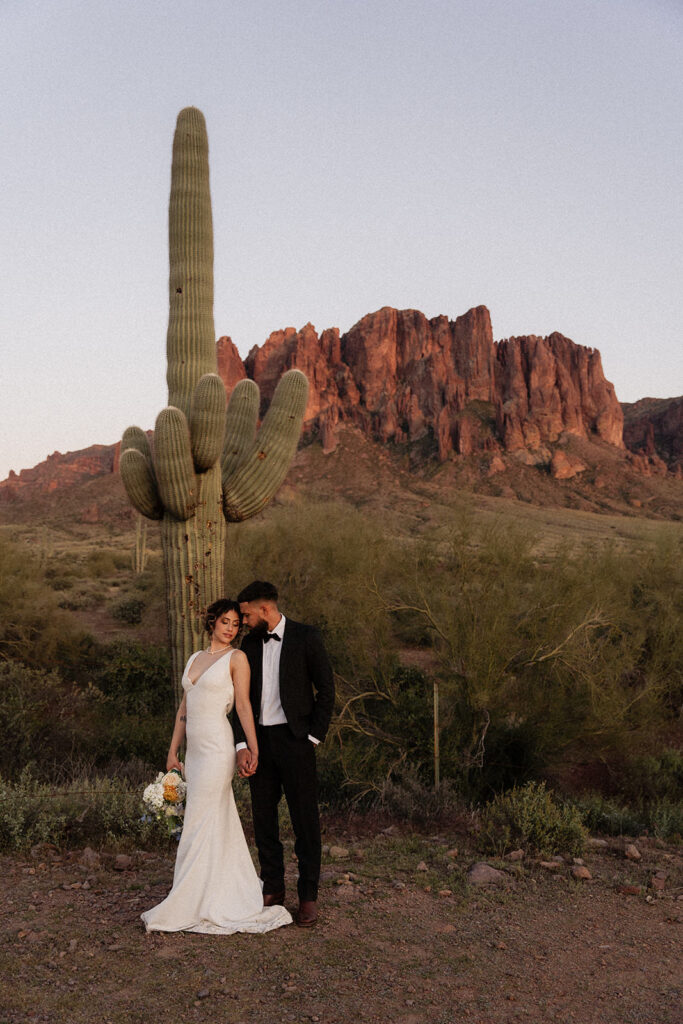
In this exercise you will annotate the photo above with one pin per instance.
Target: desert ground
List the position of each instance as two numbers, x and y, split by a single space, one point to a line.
404 936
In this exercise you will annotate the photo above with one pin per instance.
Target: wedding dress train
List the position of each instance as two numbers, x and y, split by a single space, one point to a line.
215 886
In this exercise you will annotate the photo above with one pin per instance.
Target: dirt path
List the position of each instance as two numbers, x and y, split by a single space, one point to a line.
540 947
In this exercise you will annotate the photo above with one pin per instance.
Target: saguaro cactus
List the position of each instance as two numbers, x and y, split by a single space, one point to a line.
205 466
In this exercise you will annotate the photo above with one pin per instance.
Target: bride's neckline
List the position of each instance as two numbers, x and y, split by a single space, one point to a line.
208 668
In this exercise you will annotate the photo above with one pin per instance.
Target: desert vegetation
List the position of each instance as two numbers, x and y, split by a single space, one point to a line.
558 665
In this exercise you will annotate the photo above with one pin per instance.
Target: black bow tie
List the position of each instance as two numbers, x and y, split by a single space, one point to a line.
271 636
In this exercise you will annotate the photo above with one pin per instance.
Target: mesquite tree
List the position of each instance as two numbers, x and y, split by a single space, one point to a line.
206 465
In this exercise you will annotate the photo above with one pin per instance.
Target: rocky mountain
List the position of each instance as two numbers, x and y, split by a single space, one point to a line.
439 389
403 378
60 471
653 428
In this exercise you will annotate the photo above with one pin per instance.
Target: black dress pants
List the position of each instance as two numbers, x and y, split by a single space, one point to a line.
286 764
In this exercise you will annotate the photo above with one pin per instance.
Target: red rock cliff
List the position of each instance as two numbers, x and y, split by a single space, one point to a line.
653 427
401 377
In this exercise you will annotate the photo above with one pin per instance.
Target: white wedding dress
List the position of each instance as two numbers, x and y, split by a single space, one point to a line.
215 887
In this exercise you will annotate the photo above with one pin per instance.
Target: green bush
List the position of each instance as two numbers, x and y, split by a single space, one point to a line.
100 563
42 720
662 817
95 811
408 798
530 818
33 629
123 710
541 658
653 776
129 611
134 677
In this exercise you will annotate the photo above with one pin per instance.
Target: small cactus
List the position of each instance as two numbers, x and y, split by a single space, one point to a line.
140 553
206 465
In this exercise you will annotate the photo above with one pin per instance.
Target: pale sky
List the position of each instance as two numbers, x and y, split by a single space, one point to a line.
428 154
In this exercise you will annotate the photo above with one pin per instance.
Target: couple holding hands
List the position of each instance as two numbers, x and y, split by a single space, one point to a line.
281 686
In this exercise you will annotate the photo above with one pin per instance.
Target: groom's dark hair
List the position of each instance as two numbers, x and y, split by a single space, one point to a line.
259 590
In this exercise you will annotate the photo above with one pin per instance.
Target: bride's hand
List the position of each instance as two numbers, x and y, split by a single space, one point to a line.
253 761
173 762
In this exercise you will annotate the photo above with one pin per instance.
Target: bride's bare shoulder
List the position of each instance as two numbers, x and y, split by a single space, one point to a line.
239 658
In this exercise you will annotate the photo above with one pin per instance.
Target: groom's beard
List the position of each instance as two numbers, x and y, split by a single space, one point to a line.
260 629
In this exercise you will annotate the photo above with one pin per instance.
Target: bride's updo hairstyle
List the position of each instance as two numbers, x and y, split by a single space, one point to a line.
218 608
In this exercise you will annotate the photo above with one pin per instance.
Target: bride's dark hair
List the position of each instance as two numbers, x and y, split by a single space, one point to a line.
218 608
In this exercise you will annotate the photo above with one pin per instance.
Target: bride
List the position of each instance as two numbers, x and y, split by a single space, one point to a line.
215 887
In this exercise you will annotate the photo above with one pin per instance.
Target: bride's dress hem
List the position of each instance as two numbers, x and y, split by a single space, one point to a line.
272 917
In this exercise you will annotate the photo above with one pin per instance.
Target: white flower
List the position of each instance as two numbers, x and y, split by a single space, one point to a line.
153 796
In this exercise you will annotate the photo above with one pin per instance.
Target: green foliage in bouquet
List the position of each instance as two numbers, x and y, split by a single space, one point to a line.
164 802
206 466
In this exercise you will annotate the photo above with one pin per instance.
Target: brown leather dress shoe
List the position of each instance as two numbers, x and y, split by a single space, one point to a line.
274 899
307 914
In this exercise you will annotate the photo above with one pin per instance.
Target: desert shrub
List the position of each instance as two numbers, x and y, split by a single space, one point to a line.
100 563
130 682
540 658
661 817
129 610
79 597
123 710
60 570
665 819
59 582
531 818
134 677
408 798
96 811
43 721
609 817
652 777
33 629
27 815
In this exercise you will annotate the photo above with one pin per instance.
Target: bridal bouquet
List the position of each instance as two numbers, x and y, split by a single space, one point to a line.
164 801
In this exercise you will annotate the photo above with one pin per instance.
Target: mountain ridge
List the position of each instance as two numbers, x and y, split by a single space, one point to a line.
440 390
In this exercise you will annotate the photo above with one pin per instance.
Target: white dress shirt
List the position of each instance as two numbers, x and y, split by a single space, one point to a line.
271 708
272 712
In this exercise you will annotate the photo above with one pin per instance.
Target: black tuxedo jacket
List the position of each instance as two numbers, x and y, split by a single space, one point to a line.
306 681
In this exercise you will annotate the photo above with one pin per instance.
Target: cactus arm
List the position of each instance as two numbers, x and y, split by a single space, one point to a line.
173 464
134 437
207 419
253 483
241 421
138 479
190 341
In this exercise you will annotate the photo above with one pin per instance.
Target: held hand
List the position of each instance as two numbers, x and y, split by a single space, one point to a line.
243 762
173 762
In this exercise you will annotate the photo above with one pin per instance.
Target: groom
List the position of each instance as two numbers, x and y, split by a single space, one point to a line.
292 696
